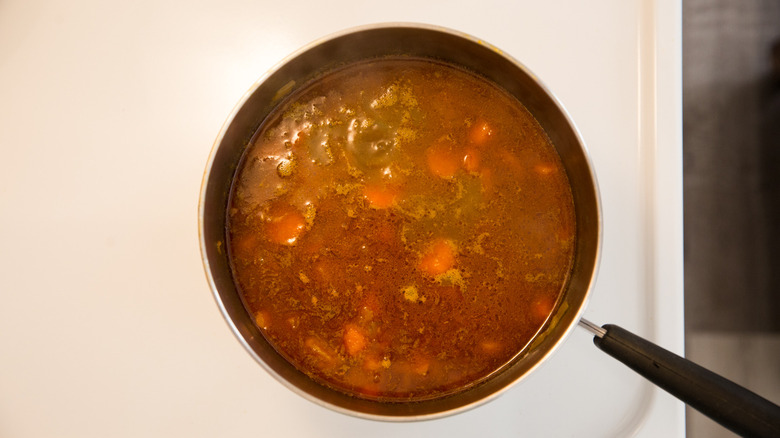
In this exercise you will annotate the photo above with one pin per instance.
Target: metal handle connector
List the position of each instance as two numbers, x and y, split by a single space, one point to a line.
593 328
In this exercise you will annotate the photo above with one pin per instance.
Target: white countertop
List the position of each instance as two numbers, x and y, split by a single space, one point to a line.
108 111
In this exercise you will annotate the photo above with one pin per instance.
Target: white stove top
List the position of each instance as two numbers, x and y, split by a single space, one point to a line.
107 116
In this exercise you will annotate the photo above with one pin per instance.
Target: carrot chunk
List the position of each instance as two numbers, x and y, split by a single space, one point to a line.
321 351
354 339
381 195
263 319
542 308
490 346
285 227
544 168
471 160
480 132
438 258
372 362
442 161
421 365
362 380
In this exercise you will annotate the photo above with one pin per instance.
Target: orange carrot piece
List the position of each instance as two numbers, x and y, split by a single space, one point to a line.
490 346
362 380
372 362
321 350
263 319
286 227
421 365
370 389
542 308
354 339
471 160
438 258
544 168
381 195
442 161
480 132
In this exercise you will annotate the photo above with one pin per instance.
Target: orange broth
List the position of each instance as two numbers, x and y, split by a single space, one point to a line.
400 229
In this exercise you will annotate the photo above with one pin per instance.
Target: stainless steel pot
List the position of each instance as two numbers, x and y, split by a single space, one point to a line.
374 42
735 407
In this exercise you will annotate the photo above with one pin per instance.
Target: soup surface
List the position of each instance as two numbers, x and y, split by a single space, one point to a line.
400 229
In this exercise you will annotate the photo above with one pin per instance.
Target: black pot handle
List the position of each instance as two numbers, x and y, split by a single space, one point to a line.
734 407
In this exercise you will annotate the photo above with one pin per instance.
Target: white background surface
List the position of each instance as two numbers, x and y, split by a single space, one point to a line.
108 111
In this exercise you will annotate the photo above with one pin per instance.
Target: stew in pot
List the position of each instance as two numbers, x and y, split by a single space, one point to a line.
400 229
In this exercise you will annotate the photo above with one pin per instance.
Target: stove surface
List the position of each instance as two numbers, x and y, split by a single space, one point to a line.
108 115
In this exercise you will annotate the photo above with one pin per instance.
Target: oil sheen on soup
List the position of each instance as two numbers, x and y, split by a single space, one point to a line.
400 229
